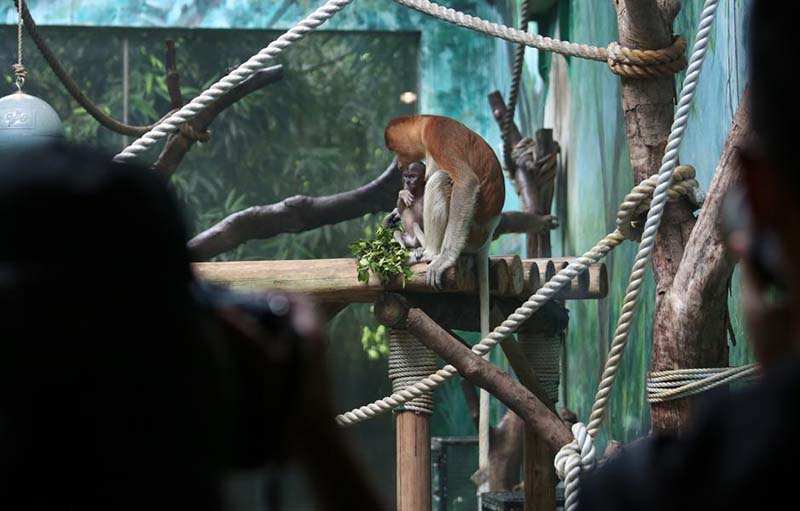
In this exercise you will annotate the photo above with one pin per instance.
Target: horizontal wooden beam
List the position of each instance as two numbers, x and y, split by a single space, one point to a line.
336 280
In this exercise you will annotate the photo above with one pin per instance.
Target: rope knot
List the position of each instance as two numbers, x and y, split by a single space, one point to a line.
189 131
20 73
636 203
542 169
572 459
643 64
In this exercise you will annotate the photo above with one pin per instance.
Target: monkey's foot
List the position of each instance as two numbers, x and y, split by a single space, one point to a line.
437 269
417 256
550 222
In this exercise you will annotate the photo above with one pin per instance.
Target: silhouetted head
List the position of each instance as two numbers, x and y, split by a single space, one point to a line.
771 179
109 391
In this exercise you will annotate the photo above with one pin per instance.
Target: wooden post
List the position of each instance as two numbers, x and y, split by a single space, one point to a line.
413 461
540 478
409 360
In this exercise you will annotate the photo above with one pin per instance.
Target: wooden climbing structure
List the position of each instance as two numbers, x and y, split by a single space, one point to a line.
413 347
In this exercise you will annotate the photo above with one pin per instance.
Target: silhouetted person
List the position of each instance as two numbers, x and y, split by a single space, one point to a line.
124 384
742 450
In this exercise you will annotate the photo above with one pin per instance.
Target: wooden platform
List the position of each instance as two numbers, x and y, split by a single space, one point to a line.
336 280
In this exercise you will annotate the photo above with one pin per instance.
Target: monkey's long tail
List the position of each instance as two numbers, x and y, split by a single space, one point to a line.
483 422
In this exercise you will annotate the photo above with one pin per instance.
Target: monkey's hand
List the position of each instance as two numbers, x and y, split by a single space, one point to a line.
417 256
407 197
437 269
392 219
550 222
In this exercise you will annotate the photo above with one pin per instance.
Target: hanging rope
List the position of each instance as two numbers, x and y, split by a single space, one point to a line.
570 459
513 93
19 69
410 360
625 62
256 63
69 83
680 383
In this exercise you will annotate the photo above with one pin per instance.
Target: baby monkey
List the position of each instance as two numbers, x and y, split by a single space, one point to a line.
409 207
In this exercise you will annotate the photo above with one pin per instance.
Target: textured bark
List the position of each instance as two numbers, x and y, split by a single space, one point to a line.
691 317
648 107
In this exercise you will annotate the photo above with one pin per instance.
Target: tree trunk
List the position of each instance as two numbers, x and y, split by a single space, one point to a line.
689 330
691 317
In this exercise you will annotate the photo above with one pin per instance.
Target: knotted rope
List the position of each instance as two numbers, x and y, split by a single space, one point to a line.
572 467
643 64
19 69
410 360
542 170
626 62
680 383
633 206
513 93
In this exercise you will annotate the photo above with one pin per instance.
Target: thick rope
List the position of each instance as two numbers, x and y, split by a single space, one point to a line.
513 93
71 86
572 469
409 360
644 64
19 68
256 63
625 62
680 383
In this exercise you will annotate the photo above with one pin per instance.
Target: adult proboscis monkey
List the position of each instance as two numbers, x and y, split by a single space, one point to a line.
464 195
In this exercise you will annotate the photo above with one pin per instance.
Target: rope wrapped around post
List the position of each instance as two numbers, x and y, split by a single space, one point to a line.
680 383
542 170
644 64
543 351
410 361
634 205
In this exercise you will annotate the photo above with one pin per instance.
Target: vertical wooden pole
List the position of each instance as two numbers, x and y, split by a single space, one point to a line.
540 477
413 461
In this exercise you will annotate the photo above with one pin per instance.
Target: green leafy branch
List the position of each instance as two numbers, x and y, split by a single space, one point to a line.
383 256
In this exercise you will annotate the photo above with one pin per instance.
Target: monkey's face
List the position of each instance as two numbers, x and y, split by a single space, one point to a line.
413 175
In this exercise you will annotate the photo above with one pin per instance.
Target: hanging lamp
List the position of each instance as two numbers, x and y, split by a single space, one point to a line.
25 120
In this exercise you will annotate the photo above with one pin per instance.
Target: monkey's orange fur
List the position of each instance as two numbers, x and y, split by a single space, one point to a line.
455 149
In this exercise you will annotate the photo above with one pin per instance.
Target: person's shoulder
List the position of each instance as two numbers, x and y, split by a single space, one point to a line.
729 458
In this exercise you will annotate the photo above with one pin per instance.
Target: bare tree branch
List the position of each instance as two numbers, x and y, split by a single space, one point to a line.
522 222
297 214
